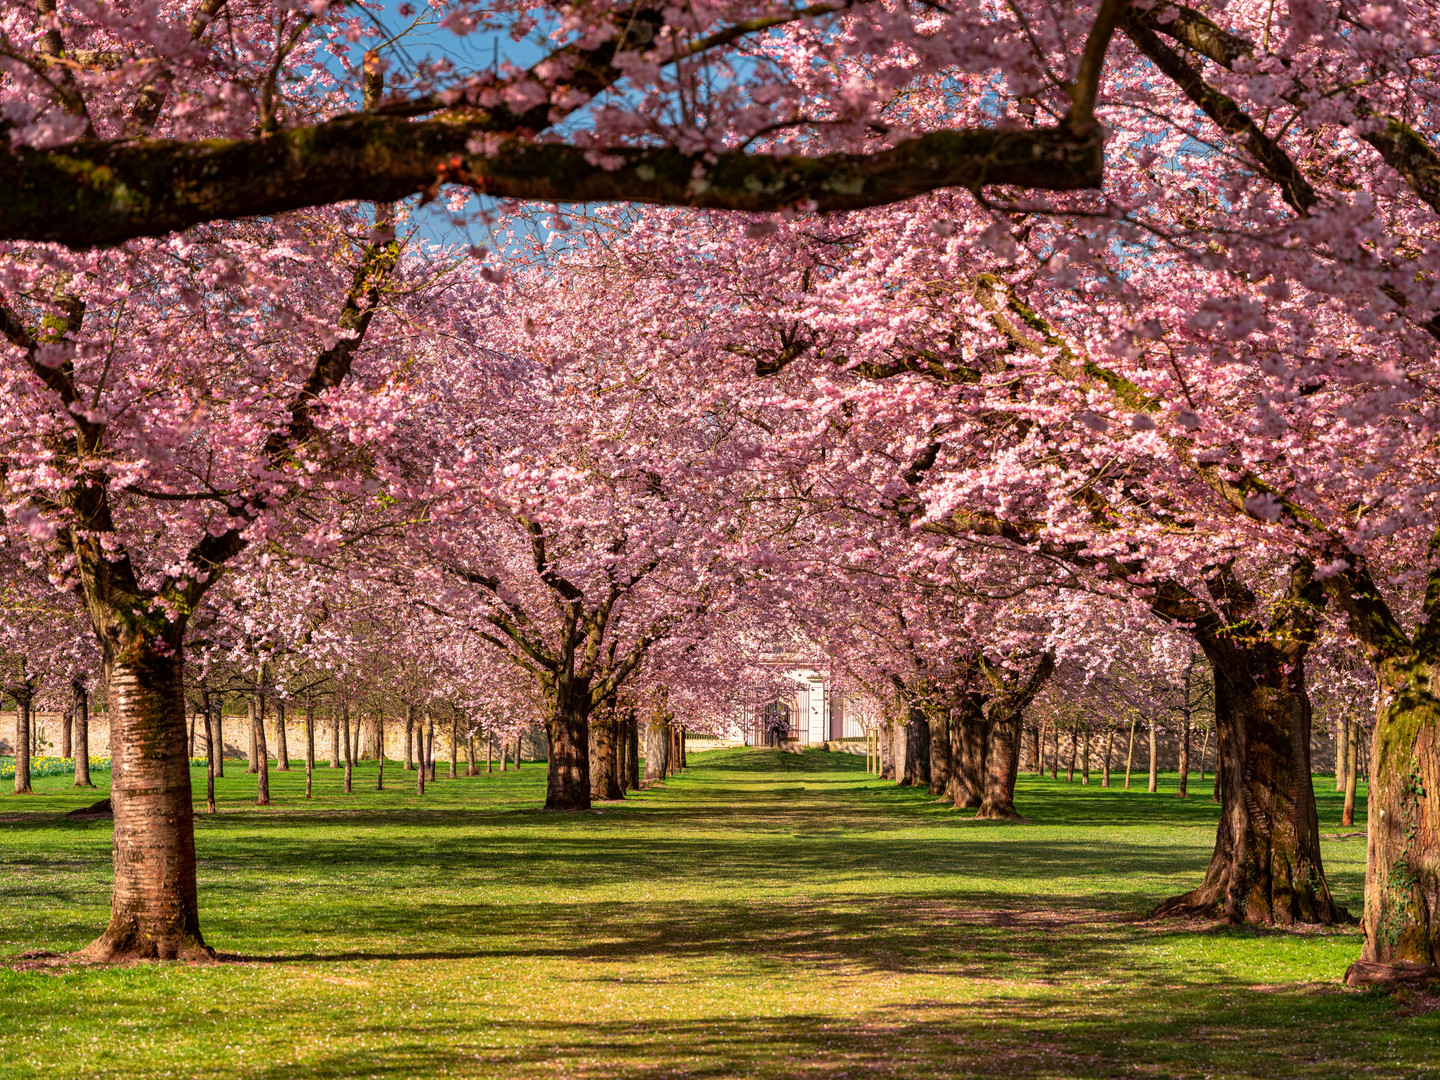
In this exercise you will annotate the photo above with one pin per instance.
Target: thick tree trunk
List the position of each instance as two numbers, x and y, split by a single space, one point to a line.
1266 867
604 760
1350 774
262 753
82 736
1000 767
630 778
567 782
1402 877
885 744
920 726
153 910
907 751
67 720
657 750
939 723
967 753
282 742
22 745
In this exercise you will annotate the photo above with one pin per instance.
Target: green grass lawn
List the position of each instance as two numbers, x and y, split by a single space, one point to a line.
765 914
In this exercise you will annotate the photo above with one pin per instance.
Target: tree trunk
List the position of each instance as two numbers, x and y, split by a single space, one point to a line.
1001 765
657 750
1402 877
262 752
153 911
334 739
66 722
684 759
209 758
939 723
349 746
567 781
309 746
604 771
220 736
1351 773
455 747
354 731
519 746
490 753
1085 757
1266 867
421 762
251 765
921 728
1074 753
1130 754
82 735
430 743
630 760
1055 748
1154 761
967 752
907 751
1184 757
1204 746
1039 762
380 751
282 741
22 745
471 769
1109 748
409 737
1342 751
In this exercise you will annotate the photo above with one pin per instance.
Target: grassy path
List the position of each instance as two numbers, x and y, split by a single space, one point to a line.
764 915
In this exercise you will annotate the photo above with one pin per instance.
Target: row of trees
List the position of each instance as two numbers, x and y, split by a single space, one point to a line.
1145 354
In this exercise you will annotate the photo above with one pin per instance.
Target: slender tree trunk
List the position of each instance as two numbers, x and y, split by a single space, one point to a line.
282 740
209 758
967 752
1154 761
1204 747
154 912
454 747
220 736
519 746
684 759
567 783
380 750
421 767
1266 867
349 746
334 738
1001 765
490 753
1109 748
262 753
430 742
82 735
1342 751
1184 757
1055 750
354 731
504 755
1351 772
470 767
252 765
1085 758
1130 754
66 720
409 737
1074 754
309 746
939 723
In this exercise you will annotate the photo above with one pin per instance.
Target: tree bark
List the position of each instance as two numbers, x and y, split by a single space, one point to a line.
657 750
1184 756
252 765
455 747
262 754
630 780
82 735
380 751
309 746
967 752
490 753
470 767
67 720
349 746
430 742
1130 754
939 723
1154 761
1266 867
22 744
421 763
334 738
153 910
1000 766
567 781
409 737
1351 772
1342 751
1085 757
885 742
220 736
604 760
684 759
1074 753
282 742
1109 748
1055 747
209 758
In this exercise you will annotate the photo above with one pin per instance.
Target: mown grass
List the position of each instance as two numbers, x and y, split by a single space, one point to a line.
765 915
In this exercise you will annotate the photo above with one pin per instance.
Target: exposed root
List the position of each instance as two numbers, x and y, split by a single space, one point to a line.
128 945
1403 973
